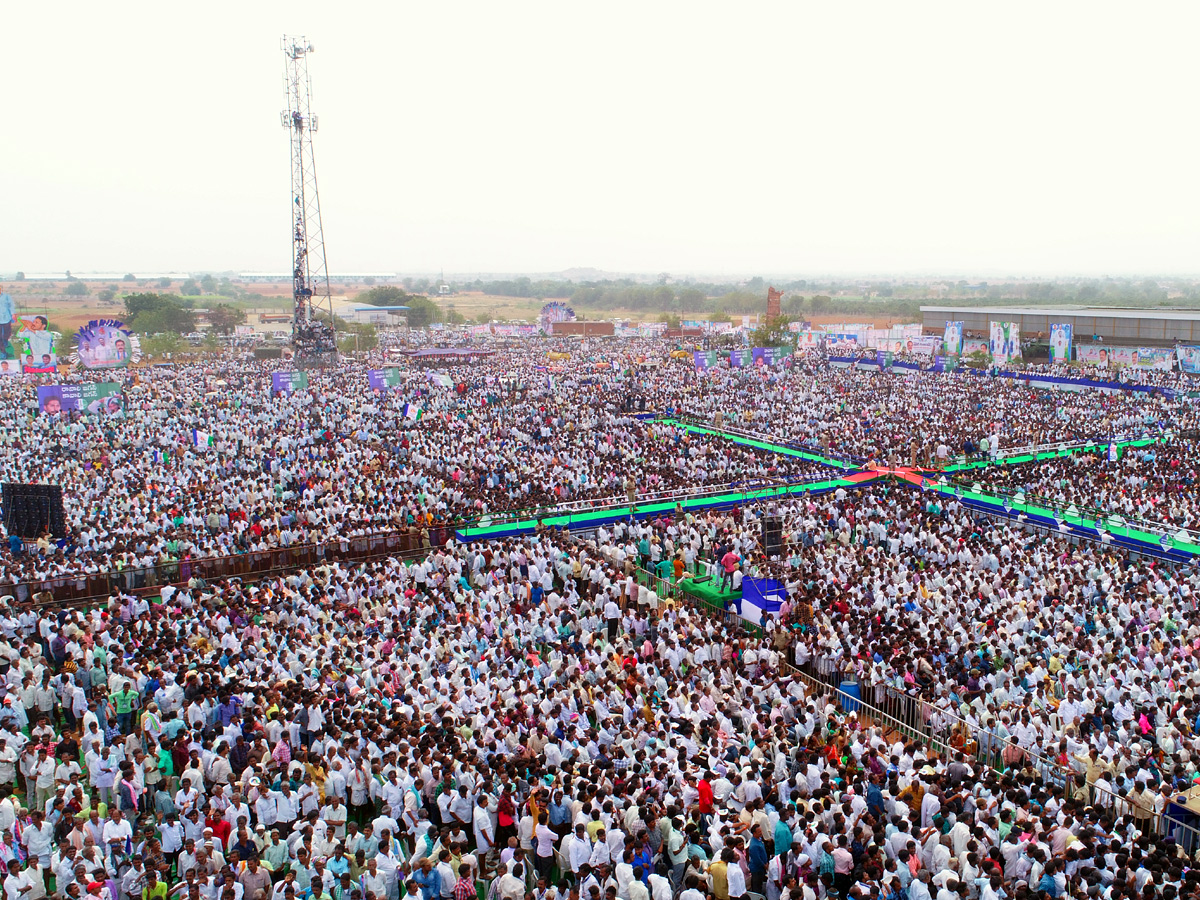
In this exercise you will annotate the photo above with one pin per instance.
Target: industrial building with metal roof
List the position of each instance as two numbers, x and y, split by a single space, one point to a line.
1144 327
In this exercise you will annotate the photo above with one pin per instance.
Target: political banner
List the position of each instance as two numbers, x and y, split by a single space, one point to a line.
741 358
101 398
106 344
1004 341
32 347
1156 358
808 340
769 356
974 346
514 330
884 358
705 359
1189 359
1060 342
1103 357
945 363
952 340
383 379
923 345
287 382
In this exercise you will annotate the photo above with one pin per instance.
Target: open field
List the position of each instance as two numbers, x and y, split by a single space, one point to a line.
69 313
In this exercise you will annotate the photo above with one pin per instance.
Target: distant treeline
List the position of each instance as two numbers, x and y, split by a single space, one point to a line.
802 297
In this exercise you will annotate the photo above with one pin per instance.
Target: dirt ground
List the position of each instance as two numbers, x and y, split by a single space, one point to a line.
69 313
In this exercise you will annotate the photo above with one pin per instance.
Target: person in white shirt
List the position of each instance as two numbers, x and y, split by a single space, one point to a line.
736 879
334 813
118 832
8 763
39 837
481 821
17 885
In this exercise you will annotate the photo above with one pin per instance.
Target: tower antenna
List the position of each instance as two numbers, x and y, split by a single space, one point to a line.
313 333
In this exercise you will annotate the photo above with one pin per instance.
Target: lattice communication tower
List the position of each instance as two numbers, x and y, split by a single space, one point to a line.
313 333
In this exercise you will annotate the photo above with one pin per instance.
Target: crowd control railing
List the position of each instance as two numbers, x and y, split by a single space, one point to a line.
621 502
1107 517
82 588
846 459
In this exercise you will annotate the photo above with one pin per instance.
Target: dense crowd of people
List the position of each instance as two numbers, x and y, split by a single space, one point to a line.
1154 484
530 718
209 462
559 716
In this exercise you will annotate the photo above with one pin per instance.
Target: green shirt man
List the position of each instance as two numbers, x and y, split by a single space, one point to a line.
123 701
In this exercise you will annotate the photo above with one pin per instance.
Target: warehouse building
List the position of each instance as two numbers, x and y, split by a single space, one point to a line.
1111 325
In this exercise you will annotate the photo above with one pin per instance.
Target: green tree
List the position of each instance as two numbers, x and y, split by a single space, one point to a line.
360 336
980 359
150 313
421 311
208 284
385 295
368 281
190 288
129 276
164 283
819 303
20 276
106 295
772 333
211 342
672 320
76 289
156 346
224 318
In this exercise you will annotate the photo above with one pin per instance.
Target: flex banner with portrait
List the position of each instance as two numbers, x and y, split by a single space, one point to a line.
102 398
106 344
1189 359
1004 342
952 340
27 345
1060 342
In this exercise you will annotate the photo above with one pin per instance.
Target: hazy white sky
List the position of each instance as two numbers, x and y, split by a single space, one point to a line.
790 137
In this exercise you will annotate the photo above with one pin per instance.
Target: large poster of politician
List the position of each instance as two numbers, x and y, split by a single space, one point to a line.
1005 342
106 344
33 345
1060 342
953 338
